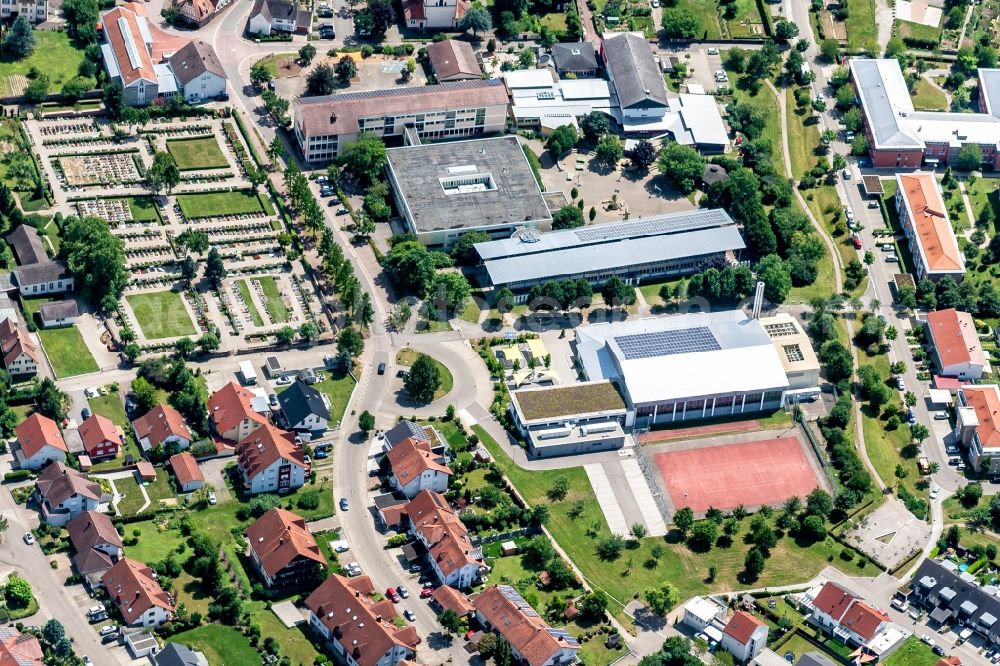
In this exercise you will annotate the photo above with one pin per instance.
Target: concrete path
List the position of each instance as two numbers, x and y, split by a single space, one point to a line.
606 498
644 498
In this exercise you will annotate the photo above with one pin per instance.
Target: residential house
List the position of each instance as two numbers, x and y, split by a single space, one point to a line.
576 58
133 589
437 526
532 641
305 409
453 60
186 471
36 11
175 654
414 468
283 551
957 349
20 354
163 426
924 219
954 597
700 612
977 426
58 314
50 277
39 442
27 244
846 615
446 597
434 14
198 13
402 431
271 16
198 72
270 460
101 437
62 494
96 545
356 627
231 414
17 649
744 636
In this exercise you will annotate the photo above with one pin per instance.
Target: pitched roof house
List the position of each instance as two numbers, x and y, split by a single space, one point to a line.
96 545
39 442
62 493
438 527
175 654
271 460
344 612
198 72
448 598
415 468
17 649
305 409
231 413
744 636
578 58
269 16
453 60
101 437
847 615
403 430
283 550
139 598
957 348
162 426
186 471
502 609
20 355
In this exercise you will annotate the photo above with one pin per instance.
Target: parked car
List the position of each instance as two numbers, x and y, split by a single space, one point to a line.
344 506
331 203
353 569
940 416
403 592
29 538
911 416
713 51
892 259
408 614
927 640
848 136
85 413
283 381
426 592
110 638
845 174
900 384
212 499
391 594
322 453
273 399
938 650
108 629
954 460
857 243
935 489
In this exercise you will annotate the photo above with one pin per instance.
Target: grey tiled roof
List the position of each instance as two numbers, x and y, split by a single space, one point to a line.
633 70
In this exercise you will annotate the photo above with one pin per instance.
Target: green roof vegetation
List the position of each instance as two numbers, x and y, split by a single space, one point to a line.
558 401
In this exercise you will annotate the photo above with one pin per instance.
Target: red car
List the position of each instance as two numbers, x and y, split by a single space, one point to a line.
857 243
393 596
426 592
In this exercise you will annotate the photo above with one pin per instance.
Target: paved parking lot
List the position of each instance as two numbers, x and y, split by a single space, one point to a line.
890 534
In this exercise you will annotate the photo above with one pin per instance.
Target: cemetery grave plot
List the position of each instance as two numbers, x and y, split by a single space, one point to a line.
98 169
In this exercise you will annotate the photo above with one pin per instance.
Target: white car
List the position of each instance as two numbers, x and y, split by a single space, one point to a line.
846 174
934 491
283 381
212 499
850 213
29 538
900 384
927 639
108 629
713 51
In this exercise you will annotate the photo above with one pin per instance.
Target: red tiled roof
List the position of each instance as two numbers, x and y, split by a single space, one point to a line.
454 600
741 627
96 430
930 222
955 338
14 342
985 401
230 405
363 626
834 600
36 432
411 458
265 445
278 537
863 620
185 468
446 537
17 649
133 589
161 422
520 625
121 29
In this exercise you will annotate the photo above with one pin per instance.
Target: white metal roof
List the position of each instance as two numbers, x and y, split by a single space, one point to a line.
702 608
527 78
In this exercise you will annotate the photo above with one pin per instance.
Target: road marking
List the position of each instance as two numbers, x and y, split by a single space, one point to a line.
606 498
643 497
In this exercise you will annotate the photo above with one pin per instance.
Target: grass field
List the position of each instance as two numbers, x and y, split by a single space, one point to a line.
276 308
293 642
51 231
471 311
707 14
161 314
251 308
862 30
271 62
158 489
747 22
65 347
407 357
200 153
766 104
928 98
154 544
214 204
918 31
982 193
912 653
143 209
221 645
53 56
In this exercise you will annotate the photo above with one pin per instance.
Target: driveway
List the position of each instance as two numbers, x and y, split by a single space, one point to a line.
214 474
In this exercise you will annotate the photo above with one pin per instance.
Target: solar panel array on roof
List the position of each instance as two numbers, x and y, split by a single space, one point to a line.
564 635
700 219
667 343
514 596
780 330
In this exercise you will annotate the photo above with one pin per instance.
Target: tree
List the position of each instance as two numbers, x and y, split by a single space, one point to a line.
679 22
423 379
609 150
477 19
17 592
785 30
53 631
681 165
567 217
306 54
837 361
662 598
616 293
753 565
970 157
464 250
684 519
350 341
96 258
215 269
450 621
610 548
346 69
703 534
562 139
37 89
322 80
594 125
144 394
487 645
448 293
208 342
813 528
382 16
819 503
643 155
557 492
919 432
81 18
260 74
163 174
20 39
285 335
189 269
594 605
366 422
829 50
970 494
184 347
365 158
774 274
52 402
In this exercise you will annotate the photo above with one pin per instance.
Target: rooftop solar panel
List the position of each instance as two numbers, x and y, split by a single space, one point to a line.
661 224
514 596
667 343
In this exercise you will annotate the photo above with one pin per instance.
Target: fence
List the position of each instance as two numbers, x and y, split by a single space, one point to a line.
820 451
650 477
482 540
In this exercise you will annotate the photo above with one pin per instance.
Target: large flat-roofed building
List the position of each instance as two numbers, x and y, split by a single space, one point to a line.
445 190
977 426
901 136
924 219
636 250
564 420
540 101
795 350
957 348
324 125
694 366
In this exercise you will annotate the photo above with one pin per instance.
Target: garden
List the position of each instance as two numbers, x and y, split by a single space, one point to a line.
54 56
199 153
161 314
64 347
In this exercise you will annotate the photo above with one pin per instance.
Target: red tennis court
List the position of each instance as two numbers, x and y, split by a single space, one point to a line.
752 474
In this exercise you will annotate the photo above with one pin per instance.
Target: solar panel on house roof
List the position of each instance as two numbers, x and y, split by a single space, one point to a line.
667 343
564 635
518 600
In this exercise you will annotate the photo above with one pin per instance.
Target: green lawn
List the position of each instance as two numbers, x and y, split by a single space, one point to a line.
51 231
53 56
213 204
23 412
161 314
251 307
471 311
221 644
110 407
293 642
747 22
276 308
917 31
196 154
707 14
766 104
983 192
862 30
407 357
798 645
143 209
153 544
912 653
928 98
67 352
651 291
337 387
272 62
